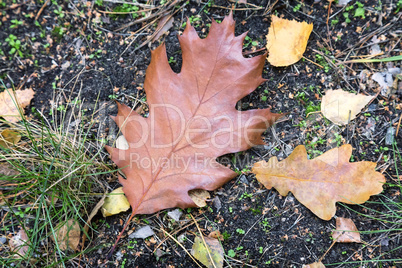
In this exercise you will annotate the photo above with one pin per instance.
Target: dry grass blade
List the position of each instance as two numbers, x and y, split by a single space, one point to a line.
203 241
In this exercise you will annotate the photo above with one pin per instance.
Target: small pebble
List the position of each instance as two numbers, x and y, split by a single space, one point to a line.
3 240
243 179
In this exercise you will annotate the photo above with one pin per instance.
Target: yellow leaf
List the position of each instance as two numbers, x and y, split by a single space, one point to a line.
8 103
215 249
321 182
9 137
287 41
340 106
115 203
67 235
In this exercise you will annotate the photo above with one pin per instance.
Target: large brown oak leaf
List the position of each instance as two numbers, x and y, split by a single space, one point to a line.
321 182
192 120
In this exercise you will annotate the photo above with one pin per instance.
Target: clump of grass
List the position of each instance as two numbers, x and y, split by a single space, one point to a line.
58 174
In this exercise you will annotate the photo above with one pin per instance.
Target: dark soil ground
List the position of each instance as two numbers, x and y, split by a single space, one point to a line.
78 50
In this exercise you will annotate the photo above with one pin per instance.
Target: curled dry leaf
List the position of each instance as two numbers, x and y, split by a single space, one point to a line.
9 137
213 259
19 244
192 120
287 41
346 231
67 235
340 106
115 203
8 103
199 197
321 182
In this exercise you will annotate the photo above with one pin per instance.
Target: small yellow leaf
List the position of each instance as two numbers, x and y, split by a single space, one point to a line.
67 235
340 106
200 252
346 231
9 137
8 103
115 203
199 197
287 41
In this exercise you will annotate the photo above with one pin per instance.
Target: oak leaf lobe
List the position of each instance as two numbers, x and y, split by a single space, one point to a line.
321 182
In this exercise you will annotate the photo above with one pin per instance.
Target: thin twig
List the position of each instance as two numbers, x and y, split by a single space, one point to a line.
41 9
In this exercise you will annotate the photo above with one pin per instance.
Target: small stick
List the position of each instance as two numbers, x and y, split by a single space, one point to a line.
313 62
399 124
175 240
41 9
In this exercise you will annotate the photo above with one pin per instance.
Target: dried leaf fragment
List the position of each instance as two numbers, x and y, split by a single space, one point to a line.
19 244
67 235
9 137
8 103
115 203
7 170
287 40
314 265
346 231
340 106
199 197
321 182
213 247
164 24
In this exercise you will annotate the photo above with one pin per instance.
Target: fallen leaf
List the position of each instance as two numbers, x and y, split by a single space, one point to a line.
67 235
8 103
115 203
314 265
192 120
287 40
321 182
142 233
6 170
215 249
216 234
346 231
339 106
9 137
199 197
19 244
164 24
